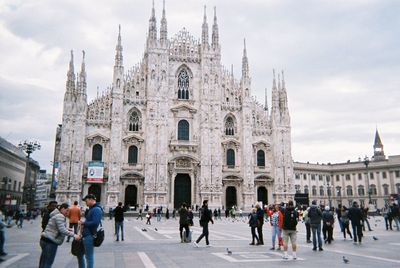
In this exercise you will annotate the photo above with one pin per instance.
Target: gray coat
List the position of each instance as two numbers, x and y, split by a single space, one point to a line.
56 229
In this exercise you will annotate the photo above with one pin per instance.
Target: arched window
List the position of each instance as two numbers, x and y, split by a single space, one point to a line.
229 126
361 191
183 130
134 121
372 189
260 158
230 158
314 190
133 154
306 189
97 152
339 191
183 85
349 190
321 191
385 189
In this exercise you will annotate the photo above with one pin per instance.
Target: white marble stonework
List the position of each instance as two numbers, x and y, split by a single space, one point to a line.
179 84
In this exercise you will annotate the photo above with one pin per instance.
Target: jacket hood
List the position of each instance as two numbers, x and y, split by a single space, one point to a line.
54 212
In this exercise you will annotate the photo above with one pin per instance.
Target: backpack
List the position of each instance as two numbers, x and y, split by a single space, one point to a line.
290 220
98 237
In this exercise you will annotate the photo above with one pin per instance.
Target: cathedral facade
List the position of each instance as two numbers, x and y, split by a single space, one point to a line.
177 127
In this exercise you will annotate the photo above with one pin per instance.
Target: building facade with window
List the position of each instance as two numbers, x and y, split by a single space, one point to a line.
176 127
377 179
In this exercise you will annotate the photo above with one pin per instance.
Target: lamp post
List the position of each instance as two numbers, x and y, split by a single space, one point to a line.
366 163
28 147
329 194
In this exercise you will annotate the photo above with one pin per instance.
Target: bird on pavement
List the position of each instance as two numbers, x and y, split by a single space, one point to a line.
144 230
156 229
375 238
228 251
345 260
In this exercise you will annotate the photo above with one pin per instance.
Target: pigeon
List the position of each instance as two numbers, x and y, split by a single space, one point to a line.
345 260
144 230
375 238
156 229
228 251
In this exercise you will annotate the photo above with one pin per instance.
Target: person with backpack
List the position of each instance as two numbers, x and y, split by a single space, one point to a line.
346 222
289 229
355 215
204 219
92 221
315 215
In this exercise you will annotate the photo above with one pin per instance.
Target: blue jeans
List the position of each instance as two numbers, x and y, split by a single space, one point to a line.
119 225
204 234
316 231
48 255
275 232
89 253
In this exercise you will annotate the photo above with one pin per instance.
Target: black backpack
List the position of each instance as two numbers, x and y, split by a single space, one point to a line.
290 220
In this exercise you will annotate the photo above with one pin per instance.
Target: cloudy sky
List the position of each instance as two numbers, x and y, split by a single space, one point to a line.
341 60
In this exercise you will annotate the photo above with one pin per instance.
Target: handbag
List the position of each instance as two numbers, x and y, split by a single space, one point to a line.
98 237
77 247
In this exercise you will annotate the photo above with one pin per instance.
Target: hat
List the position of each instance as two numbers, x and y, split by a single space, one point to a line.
90 196
327 208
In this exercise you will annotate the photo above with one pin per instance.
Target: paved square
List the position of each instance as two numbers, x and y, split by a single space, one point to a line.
159 246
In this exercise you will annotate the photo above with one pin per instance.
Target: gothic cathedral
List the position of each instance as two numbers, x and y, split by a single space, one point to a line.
177 127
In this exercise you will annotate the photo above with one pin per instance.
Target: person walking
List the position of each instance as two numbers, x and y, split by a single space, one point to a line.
204 219
148 216
346 222
260 223
74 216
276 222
253 225
289 230
3 226
364 211
315 215
307 223
90 225
327 220
355 215
339 211
54 235
140 214
119 221
183 222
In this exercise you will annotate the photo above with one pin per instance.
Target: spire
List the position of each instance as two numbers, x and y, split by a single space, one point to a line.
118 51
266 101
245 62
279 81
70 87
273 81
215 35
283 81
204 33
379 153
82 75
153 25
163 29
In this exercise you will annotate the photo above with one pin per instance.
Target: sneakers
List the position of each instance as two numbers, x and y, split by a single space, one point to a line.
294 256
315 249
285 256
195 244
273 248
321 249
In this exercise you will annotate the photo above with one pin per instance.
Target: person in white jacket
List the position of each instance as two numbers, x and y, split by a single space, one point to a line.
54 235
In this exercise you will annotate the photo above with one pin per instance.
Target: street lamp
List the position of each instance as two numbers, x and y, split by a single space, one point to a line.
28 147
329 194
366 163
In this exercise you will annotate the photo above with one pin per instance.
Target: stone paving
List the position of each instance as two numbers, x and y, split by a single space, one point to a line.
160 247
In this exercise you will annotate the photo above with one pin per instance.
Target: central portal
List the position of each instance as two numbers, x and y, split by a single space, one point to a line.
182 190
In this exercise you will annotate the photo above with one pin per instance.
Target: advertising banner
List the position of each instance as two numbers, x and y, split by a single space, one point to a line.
95 172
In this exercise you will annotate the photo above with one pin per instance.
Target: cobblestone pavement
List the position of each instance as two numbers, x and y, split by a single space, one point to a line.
160 247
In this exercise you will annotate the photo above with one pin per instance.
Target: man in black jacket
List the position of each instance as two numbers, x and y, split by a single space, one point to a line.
204 219
119 220
355 215
260 223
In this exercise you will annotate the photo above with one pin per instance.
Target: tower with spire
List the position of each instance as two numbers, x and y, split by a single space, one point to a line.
379 153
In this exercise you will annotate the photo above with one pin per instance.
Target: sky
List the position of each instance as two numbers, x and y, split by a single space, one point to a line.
341 61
